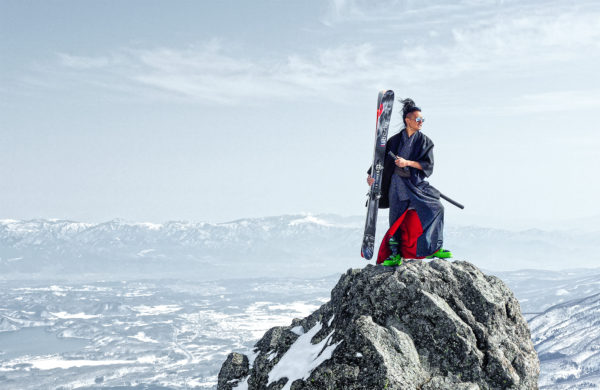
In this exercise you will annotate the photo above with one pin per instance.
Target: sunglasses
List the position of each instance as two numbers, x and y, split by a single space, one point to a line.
420 119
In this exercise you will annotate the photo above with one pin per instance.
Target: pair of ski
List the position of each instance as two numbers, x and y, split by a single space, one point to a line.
385 102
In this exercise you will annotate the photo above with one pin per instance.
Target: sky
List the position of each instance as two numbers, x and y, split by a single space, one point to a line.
214 111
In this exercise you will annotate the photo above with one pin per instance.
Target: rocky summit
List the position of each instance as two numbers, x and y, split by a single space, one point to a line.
424 325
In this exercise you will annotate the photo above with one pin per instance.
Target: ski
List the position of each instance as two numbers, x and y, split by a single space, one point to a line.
385 101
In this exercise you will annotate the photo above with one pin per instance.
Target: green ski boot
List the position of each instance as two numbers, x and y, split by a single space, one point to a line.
395 258
393 261
441 254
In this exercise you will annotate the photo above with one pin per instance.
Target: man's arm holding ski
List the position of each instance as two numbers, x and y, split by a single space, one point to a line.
450 200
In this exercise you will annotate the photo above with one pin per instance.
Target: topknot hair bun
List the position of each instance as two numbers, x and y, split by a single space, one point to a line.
408 103
408 106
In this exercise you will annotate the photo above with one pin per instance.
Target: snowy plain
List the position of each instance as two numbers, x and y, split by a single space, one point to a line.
149 306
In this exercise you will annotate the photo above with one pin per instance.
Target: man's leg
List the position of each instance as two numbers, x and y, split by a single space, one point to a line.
431 241
397 208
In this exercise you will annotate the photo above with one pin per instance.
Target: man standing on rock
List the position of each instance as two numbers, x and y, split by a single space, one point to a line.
416 214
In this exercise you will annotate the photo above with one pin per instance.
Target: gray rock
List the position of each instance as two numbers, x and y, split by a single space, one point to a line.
234 369
425 325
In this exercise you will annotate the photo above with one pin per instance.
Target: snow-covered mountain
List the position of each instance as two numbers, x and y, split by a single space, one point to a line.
294 245
567 339
563 311
299 245
539 290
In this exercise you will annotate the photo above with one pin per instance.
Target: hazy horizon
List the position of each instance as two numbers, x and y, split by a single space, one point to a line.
511 224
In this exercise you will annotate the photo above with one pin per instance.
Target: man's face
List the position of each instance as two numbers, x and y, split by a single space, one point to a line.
416 120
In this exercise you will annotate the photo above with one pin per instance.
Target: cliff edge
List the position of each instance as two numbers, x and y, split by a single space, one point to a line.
424 325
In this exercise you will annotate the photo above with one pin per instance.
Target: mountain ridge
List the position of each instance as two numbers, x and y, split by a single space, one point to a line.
57 246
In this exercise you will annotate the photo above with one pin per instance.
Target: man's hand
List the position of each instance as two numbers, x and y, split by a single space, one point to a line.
402 162
370 180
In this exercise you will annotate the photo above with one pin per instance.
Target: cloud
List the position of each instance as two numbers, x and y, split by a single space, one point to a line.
529 39
556 101
209 72
451 42
78 62
391 11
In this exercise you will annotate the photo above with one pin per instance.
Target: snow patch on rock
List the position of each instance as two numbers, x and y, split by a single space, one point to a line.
302 357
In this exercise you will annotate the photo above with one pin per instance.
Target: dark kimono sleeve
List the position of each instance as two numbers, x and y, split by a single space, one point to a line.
426 159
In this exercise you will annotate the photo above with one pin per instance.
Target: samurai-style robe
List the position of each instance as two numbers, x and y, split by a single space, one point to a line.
416 213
